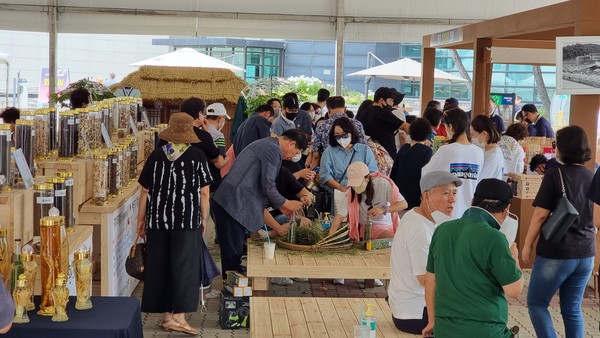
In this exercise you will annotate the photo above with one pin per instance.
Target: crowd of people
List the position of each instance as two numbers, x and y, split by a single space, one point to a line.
445 209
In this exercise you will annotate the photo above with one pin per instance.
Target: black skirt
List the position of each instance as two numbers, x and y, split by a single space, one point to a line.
171 271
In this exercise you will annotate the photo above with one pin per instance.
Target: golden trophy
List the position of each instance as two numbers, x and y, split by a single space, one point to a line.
30 271
83 278
60 297
21 296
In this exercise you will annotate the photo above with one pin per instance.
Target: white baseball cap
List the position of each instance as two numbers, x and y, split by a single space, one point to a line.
217 109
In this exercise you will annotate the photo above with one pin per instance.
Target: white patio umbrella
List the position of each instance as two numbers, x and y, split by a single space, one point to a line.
187 57
405 69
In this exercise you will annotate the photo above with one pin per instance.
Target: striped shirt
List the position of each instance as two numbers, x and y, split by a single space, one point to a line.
174 189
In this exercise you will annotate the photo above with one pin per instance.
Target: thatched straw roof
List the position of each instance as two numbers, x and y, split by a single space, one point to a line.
173 84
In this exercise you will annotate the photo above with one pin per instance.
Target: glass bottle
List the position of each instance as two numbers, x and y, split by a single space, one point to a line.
133 142
52 130
4 259
148 143
43 200
69 198
60 193
66 147
60 298
120 172
126 162
367 237
64 248
76 131
49 260
100 175
83 269
30 271
17 265
292 229
21 297
112 173
5 152
42 131
25 140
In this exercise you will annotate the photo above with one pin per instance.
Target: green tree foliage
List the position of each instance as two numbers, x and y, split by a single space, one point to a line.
579 49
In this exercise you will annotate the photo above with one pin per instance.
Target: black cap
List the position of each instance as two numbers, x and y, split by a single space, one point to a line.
494 189
398 97
451 101
384 93
290 102
530 108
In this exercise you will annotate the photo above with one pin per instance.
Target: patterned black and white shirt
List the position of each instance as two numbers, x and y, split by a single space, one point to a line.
174 189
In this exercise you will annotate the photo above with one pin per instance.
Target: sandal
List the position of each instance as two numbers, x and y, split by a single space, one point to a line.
164 325
175 325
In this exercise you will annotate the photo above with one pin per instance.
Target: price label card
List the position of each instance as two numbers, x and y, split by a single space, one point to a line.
24 170
145 118
105 136
133 125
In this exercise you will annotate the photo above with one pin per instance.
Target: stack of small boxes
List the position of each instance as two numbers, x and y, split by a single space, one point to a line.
235 301
526 186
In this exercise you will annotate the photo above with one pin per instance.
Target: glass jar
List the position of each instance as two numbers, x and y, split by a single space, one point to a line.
25 140
83 269
133 158
100 175
126 162
21 296
120 172
69 199
66 148
148 137
64 248
76 131
43 200
42 131
60 298
113 191
95 135
49 261
83 131
4 257
60 193
30 271
115 114
124 115
5 158
52 128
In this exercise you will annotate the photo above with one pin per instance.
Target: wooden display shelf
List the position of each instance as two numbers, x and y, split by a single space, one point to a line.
16 215
114 226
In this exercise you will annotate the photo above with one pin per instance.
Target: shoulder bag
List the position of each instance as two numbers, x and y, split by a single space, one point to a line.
134 263
324 198
561 218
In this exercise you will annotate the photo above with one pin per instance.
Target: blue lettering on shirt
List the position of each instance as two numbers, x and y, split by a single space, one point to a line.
465 171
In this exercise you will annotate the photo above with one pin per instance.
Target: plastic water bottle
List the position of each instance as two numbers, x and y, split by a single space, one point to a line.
326 222
368 227
370 321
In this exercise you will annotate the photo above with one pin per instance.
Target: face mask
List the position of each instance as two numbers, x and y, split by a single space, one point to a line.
291 116
478 143
276 112
312 115
297 157
362 187
438 216
509 227
317 116
221 125
344 142
388 108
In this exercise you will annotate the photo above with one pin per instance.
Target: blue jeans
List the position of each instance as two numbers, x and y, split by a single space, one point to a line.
570 276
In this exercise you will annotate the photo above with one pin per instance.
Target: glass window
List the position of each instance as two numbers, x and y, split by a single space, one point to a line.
253 58
410 51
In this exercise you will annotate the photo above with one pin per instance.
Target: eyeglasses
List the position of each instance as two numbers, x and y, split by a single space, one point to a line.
339 137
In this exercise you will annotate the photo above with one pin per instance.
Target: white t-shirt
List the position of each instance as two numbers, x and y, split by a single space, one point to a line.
382 194
464 161
514 155
410 248
493 164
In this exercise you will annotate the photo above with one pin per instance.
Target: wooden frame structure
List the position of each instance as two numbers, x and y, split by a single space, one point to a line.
534 29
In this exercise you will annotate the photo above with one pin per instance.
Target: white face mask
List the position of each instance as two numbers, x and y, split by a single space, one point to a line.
438 216
312 115
276 112
362 187
509 228
344 142
478 143
297 157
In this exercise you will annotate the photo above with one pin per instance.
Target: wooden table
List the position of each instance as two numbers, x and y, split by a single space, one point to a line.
316 317
359 265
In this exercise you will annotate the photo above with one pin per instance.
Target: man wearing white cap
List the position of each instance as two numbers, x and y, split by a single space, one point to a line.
411 246
216 116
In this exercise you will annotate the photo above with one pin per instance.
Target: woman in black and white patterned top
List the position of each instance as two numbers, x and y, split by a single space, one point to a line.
175 181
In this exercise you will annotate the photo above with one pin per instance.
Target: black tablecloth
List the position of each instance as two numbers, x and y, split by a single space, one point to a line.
114 317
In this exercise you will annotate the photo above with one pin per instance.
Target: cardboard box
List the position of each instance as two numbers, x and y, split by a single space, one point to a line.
239 291
235 278
234 312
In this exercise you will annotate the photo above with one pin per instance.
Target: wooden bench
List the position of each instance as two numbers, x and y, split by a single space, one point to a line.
360 265
316 317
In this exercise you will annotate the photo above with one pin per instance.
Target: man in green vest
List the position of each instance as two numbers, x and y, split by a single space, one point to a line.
470 268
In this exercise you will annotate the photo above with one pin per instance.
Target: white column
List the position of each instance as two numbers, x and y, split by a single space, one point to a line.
52 37
340 24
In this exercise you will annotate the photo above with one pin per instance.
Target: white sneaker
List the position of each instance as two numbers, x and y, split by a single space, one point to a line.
297 279
282 281
339 281
378 282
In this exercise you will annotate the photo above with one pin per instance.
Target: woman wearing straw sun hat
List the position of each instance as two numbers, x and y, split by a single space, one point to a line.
175 181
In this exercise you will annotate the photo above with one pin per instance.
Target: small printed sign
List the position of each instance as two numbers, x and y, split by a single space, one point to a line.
23 168
105 136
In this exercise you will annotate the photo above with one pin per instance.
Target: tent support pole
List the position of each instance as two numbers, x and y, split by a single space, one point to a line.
53 37
340 25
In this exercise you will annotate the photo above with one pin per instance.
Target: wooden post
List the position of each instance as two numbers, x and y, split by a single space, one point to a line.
427 71
482 76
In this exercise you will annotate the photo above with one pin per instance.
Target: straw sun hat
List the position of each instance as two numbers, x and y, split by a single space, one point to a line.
180 129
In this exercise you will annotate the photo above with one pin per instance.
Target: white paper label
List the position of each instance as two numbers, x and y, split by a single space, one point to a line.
32 132
45 200
60 193
105 136
70 121
100 195
133 125
23 167
69 182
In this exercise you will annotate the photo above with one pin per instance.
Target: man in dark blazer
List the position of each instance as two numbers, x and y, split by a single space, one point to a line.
240 200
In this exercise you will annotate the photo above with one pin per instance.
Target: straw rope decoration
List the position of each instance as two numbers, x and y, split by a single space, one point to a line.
178 83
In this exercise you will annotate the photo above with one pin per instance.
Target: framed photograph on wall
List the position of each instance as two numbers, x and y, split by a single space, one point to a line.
578 65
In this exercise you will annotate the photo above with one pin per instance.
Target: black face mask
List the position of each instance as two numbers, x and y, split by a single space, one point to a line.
291 116
388 108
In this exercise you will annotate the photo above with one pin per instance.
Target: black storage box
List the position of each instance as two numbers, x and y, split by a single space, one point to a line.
234 312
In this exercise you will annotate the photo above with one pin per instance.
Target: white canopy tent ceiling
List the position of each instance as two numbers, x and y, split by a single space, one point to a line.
186 57
378 20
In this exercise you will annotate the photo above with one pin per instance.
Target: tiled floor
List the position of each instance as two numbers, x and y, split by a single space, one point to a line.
208 322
